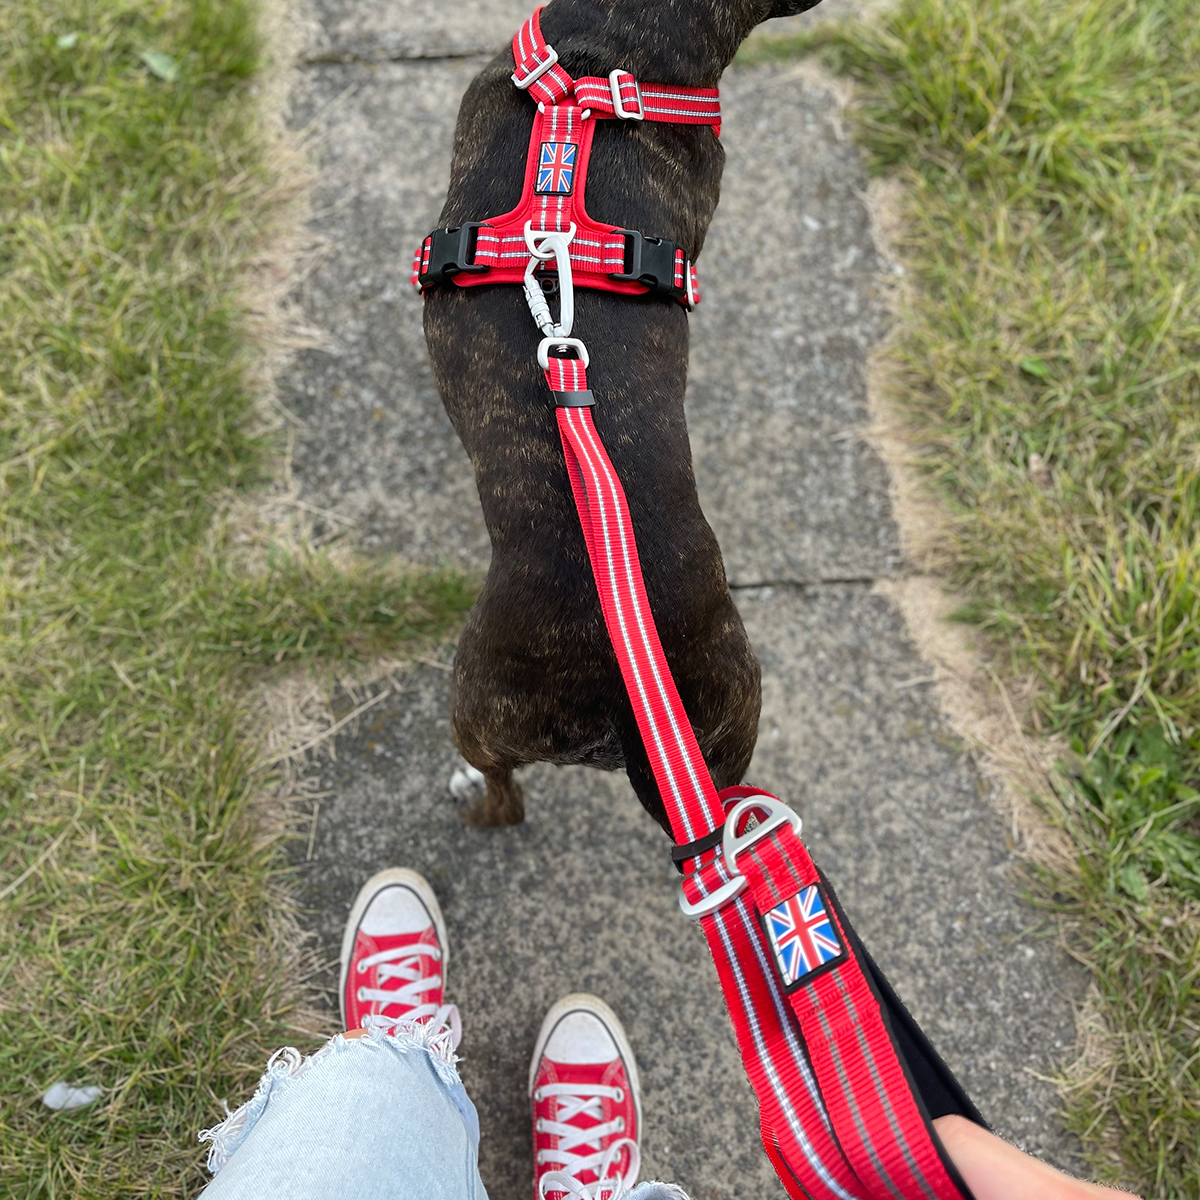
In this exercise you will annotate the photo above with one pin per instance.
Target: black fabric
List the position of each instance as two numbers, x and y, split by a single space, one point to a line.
936 1091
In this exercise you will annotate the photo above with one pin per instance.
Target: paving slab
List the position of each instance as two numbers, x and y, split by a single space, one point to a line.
374 445
777 387
582 896
382 30
379 30
777 381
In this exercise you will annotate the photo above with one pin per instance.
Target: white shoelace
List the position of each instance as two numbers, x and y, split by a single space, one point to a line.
575 1100
403 962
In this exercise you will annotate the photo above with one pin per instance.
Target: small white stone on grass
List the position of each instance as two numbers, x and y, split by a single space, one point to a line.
61 1096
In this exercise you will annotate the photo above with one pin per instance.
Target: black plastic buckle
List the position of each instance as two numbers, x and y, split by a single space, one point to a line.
650 261
452 251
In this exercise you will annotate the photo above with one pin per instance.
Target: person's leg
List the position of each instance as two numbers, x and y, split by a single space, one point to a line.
377 1112
381 1116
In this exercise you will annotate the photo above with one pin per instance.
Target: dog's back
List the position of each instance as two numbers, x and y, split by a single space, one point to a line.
536 678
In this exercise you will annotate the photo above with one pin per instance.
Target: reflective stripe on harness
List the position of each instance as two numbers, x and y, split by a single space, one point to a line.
846 1083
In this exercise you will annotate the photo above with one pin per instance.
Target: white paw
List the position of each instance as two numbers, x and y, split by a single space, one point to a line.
467 784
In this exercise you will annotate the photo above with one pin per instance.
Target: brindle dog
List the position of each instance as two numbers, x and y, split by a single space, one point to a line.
536 679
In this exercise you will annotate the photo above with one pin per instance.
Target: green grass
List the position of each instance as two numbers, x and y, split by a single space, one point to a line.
138 897
1049 155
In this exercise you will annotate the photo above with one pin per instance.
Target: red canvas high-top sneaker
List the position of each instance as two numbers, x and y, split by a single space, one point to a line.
586 1109
394 955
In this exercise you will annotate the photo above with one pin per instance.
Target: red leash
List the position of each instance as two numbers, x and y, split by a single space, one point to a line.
821 1034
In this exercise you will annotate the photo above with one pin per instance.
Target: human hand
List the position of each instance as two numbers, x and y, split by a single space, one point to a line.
994 1170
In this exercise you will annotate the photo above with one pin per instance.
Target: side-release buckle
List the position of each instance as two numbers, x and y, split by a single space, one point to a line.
651 261
451 251
733 844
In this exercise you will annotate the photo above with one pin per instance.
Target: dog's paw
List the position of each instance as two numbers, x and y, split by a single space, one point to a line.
467 784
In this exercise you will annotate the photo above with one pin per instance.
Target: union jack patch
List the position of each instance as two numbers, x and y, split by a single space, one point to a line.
802 936
556 168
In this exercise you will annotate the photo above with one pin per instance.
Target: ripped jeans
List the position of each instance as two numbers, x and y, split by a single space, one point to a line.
380 1117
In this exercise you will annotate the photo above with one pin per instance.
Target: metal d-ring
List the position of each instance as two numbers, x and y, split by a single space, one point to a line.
734 844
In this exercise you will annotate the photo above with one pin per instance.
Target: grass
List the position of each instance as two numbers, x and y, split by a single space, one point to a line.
139 931
1049 358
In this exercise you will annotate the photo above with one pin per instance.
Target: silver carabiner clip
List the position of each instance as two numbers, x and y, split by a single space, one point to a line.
545 245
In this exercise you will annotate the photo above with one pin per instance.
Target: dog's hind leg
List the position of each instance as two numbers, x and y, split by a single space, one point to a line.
502 801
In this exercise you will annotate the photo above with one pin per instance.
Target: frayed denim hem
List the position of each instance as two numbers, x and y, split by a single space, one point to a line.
287 1065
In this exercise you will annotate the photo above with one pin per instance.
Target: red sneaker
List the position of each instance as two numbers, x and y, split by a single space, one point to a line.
394 955
586 1109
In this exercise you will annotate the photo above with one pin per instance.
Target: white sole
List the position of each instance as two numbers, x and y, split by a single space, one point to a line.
369 890
576 1002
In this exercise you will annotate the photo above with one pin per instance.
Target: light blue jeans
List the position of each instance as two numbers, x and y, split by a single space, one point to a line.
380 1117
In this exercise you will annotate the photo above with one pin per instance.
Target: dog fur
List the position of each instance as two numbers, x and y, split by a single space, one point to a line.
536 679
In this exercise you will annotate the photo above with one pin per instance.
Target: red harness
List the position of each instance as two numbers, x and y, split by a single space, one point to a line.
601 256
828 1047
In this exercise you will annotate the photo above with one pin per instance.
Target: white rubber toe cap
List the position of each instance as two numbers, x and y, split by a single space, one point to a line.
580 1037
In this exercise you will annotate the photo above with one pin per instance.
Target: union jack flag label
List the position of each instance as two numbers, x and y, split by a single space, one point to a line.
556 168
803 936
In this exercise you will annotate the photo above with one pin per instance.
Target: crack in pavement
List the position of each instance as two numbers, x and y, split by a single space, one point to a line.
350 58
801 585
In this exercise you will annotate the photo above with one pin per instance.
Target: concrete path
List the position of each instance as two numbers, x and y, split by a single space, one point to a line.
582 896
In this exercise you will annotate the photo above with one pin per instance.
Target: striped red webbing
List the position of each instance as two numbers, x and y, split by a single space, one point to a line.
838 1116
566 108
658 102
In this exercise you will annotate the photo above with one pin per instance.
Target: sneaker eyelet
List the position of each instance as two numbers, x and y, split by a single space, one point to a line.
362 966
620 1124
620 1095
537 1095
360 995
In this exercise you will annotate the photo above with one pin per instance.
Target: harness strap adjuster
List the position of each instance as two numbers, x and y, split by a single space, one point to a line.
652 262
539 68
451 251
621 107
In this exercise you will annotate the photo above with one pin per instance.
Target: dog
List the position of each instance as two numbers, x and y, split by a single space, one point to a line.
536 678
